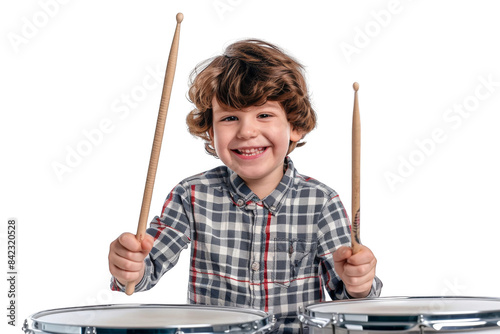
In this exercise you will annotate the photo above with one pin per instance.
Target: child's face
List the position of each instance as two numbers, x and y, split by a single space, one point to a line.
254 141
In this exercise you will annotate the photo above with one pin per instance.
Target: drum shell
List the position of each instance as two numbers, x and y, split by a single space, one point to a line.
430 315
330 330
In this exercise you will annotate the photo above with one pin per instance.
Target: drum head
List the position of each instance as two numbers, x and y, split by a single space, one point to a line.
409 306
404 313
148 318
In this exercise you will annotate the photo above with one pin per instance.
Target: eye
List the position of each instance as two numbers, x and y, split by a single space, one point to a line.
264 115
229 119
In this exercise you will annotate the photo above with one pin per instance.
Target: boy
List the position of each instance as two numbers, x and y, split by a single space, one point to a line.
262 235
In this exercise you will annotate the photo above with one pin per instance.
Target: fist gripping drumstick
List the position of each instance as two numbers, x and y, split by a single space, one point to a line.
160 126
356 163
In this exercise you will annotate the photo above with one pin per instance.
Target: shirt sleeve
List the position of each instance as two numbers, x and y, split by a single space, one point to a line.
171 232
334 232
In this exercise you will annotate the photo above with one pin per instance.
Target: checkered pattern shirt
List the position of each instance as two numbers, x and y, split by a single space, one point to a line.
273 254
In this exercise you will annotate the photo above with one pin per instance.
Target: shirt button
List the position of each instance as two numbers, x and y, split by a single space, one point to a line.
251 206
255 266
240 202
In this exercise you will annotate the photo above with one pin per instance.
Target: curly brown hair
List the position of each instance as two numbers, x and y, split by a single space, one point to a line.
250 72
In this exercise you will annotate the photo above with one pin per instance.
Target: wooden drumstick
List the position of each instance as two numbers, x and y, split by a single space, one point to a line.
160 126
356 174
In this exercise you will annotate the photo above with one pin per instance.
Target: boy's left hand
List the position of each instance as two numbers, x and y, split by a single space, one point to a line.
356 271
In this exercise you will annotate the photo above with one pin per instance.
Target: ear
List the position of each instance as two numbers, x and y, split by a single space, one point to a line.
296 135
211 135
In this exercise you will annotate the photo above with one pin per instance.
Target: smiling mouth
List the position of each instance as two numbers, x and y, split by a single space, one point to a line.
248 152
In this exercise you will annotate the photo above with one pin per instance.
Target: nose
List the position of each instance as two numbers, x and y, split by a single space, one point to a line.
248 128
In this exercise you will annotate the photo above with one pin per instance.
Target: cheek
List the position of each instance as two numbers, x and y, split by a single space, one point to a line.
219 140
287 132
281 138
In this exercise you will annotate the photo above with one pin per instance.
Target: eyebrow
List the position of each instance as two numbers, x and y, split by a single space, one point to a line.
225 110
222 109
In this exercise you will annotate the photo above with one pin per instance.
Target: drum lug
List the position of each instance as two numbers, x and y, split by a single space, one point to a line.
335 321
266 329
318 323
422 323
90 330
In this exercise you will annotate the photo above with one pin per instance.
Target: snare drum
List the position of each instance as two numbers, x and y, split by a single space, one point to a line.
148 319
404 315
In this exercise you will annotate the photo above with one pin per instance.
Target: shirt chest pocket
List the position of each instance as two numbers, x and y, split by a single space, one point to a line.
293 259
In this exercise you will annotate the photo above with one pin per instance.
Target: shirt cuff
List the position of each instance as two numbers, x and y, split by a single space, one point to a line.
117 286
374 291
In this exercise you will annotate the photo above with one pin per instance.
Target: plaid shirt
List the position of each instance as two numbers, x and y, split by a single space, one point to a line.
273 254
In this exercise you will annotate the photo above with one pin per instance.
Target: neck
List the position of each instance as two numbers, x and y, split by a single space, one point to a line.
262 190
263 187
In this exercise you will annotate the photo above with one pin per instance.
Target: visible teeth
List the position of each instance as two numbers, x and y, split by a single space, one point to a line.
251 151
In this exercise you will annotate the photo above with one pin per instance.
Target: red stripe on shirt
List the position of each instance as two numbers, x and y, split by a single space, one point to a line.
167 201
195 246
251 283
162 226
158 233
266 282
307 179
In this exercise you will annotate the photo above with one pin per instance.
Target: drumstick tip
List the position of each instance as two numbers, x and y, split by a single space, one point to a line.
355 86
179 17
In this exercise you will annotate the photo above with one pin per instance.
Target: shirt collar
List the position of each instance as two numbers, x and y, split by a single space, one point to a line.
242 195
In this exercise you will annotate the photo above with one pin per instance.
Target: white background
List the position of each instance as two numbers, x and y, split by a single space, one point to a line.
69 66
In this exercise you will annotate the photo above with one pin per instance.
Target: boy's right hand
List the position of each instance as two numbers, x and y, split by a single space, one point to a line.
126 257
